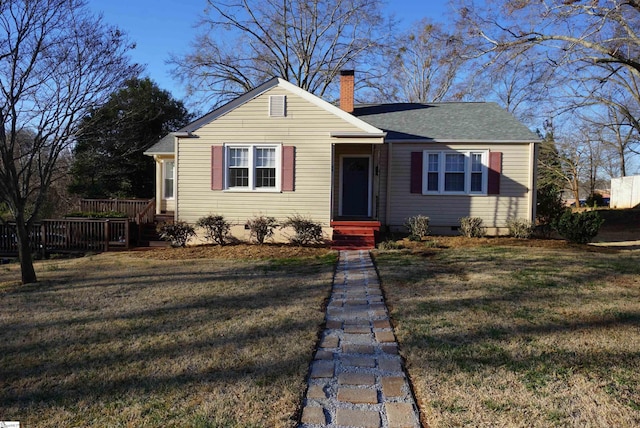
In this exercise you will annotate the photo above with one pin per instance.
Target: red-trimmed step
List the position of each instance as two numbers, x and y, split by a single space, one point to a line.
354 235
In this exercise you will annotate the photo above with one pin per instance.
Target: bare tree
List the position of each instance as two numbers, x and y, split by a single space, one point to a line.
425 65
56 61
593 48
307 42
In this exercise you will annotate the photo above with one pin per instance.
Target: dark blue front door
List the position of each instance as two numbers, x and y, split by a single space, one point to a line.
355 186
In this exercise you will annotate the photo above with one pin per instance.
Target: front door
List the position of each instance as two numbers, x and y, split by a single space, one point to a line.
355 186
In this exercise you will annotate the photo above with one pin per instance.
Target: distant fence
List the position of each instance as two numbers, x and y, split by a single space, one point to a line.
130 207
70 235
625 192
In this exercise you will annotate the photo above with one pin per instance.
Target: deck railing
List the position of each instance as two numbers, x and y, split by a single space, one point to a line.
70 235
130 207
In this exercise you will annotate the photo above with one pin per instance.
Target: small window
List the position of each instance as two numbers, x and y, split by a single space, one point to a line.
238 167
455 172
277 106
253 167
169 179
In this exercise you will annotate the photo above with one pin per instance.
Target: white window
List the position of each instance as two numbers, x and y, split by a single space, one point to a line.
455 172
253 167
168 173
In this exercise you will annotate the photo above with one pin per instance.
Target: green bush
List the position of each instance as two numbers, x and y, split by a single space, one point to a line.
595 200
549 208
306 231
216 228
177 233
418 227
520 228
579 227
472 227
261 228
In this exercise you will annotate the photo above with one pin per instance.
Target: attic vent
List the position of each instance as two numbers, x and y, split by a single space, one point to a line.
277 105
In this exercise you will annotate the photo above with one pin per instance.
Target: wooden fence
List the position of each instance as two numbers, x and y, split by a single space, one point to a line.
130 207
70 235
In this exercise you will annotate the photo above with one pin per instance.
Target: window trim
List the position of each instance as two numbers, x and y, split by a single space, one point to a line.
252 148
164 179
467 172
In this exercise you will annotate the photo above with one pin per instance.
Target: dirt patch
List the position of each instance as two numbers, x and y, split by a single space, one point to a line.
234 252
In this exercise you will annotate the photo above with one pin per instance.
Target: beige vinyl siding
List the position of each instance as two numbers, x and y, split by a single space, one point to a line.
445 211
306 126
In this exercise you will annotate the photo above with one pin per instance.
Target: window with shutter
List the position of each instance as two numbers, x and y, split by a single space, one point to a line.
253 167
448 172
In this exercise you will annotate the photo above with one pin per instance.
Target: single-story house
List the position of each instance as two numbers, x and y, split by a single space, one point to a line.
279 150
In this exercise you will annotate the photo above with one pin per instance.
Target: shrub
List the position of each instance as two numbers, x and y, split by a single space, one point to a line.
261 228
520 228
579 227
177 233
418 226
549 208
306 231
595 200
472 227
216 228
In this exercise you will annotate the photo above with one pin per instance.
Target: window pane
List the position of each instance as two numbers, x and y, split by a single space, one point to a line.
239 157
169 168
432 182
454 182
239 177
476 162
454 163
434 161
266 158
476 182
265 177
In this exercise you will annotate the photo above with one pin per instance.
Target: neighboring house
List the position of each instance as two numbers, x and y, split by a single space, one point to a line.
278 150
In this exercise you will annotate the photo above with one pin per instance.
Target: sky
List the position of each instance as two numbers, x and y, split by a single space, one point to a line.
160 28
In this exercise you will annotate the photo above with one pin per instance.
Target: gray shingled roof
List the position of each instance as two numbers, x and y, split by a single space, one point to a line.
165 146
458 121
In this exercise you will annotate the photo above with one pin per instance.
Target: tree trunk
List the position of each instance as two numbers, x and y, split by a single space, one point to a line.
24 253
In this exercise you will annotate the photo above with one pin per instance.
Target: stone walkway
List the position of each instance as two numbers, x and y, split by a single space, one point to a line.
356 377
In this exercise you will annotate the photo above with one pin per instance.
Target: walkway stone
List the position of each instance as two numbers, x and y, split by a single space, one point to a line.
357 378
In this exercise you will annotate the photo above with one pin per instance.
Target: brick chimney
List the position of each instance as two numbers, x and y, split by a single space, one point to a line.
346 90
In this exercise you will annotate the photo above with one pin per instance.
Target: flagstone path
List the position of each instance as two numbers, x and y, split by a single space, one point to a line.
357 377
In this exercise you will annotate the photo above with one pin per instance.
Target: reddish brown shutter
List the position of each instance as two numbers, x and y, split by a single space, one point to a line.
217 167
416 172
288 168
495 169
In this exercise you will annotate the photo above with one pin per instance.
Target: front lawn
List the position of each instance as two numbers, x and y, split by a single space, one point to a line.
526 336
124 340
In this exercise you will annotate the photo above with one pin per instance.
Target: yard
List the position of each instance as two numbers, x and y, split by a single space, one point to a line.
129 339
514 333
495 332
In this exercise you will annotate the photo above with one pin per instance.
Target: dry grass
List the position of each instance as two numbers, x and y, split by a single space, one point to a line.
130 340
501 335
